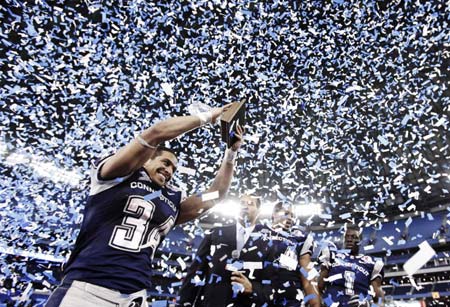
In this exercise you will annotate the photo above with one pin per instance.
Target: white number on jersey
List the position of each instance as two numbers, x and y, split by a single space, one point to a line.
129 236
349 277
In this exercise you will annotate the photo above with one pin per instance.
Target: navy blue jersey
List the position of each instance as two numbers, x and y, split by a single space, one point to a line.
286 250
124 222
349 276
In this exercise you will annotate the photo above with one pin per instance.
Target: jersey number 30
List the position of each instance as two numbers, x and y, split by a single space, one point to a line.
134 234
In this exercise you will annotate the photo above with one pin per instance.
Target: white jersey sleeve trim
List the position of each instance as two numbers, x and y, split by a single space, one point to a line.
98 185
377 269
308 245
325 257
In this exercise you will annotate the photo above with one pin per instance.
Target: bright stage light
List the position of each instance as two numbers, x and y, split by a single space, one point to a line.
16 158
308 209
228 208
48 170
41 169
266 209
231 208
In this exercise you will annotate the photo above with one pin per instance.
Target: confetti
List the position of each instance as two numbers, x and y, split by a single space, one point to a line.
210 196
153 195
186 170
353 113
333 277
425 253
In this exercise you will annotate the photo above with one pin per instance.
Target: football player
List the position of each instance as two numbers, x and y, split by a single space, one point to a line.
130 208
348 277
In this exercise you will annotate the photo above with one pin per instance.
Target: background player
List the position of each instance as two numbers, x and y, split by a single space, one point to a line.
350 278
291 256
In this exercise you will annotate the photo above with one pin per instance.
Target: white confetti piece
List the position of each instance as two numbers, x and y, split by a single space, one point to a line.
388 240
408 222
210 196
182 263
288 263
186 170
167 88
418 260
312 274
333 277
345 215
369 247
325 216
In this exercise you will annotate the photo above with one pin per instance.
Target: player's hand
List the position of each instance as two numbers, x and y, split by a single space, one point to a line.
243 280
217 112
240 138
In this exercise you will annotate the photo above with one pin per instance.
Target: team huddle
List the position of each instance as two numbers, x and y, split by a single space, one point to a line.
132 206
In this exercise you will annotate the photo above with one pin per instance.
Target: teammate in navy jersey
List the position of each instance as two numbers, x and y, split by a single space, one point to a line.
349 278
291 256
130 209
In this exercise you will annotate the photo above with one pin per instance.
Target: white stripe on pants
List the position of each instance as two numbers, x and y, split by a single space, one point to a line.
88 295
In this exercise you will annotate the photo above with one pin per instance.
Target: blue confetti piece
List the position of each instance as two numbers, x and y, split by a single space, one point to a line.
393 282
309 297
237 288
153 195
328 301
304 272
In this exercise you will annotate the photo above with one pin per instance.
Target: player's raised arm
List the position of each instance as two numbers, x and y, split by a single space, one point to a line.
194 206
304 261
132 156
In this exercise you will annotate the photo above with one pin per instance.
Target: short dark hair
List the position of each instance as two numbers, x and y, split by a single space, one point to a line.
353 227
280 205
162 148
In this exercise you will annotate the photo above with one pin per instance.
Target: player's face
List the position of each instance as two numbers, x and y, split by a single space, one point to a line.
351 239
162 167
283 218
249 209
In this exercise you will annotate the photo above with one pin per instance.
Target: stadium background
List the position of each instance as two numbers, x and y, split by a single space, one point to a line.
348 120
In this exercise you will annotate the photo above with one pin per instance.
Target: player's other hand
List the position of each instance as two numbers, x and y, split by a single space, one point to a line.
240 138
243 280
217 112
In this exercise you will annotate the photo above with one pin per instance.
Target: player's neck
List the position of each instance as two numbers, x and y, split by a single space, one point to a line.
246 224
